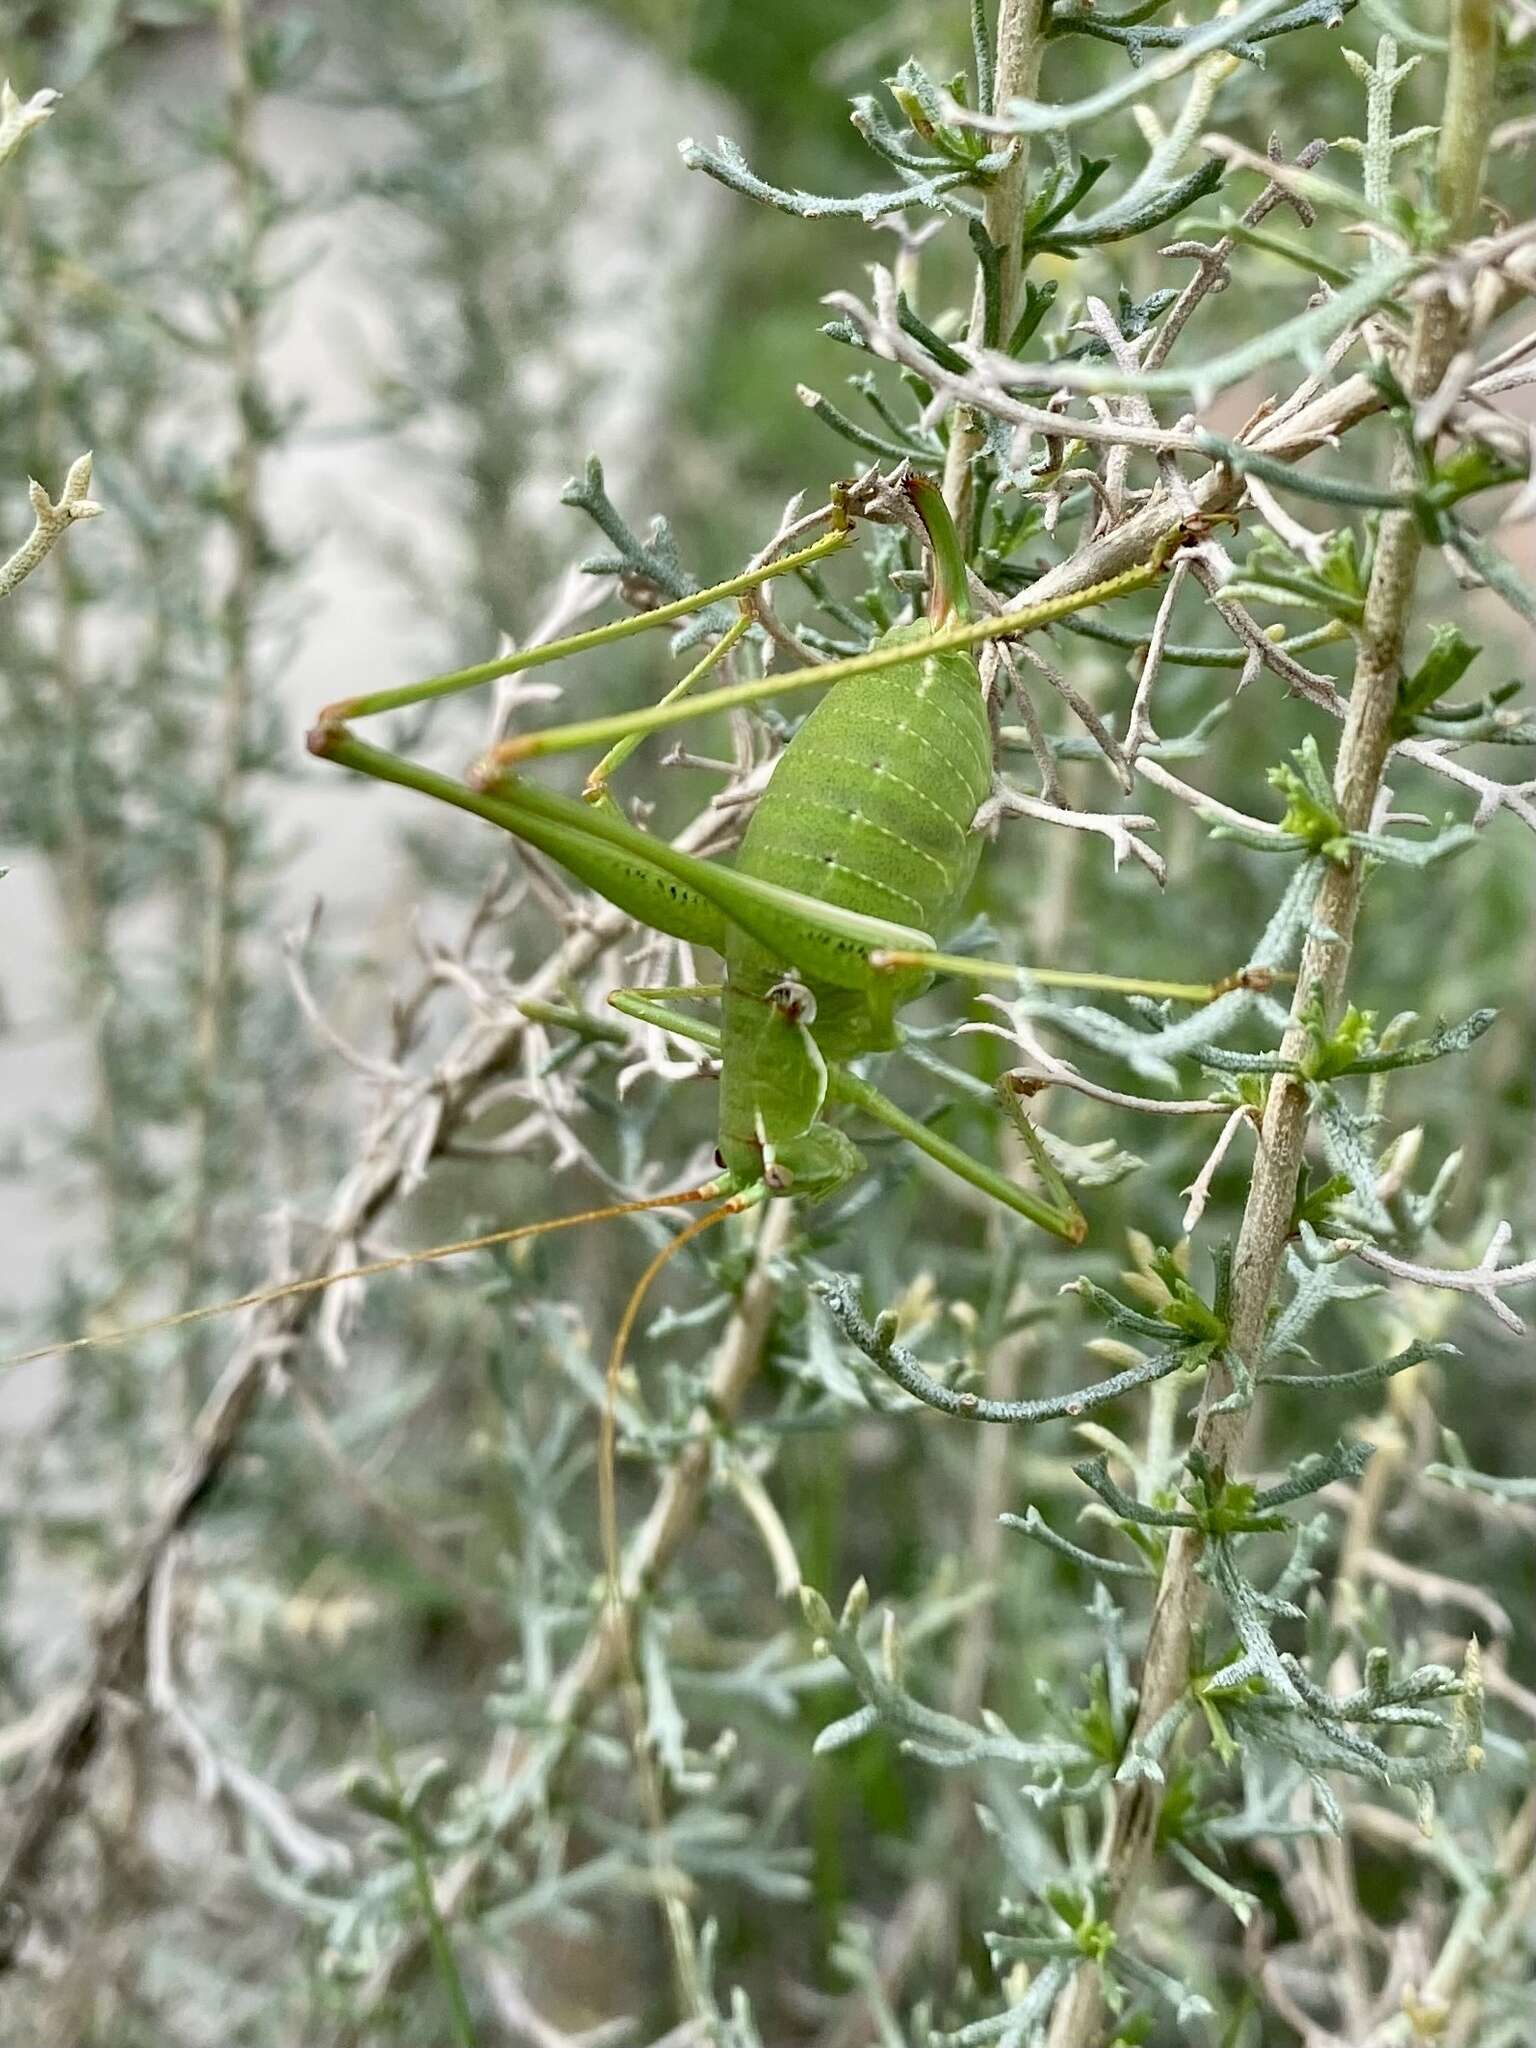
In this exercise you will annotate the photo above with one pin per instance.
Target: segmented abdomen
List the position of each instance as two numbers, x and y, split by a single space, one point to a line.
871 806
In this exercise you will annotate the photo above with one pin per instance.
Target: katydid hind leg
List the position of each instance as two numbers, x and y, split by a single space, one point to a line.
820 940
898 960
611 857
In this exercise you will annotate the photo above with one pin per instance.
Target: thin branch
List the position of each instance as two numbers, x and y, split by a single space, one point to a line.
1490 1917
877 1342
1045 1070
1015 68
1081 709
985 386
1208 808
1212 274
1199 1190
1139 727
217 1776
1119 828
1020 116
1000 656
1435 1589
1488 1281
221 870
19 117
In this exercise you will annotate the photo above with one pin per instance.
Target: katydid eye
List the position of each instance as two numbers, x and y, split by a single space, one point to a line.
793 1000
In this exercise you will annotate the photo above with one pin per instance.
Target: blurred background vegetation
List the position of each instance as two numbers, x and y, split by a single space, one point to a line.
339 295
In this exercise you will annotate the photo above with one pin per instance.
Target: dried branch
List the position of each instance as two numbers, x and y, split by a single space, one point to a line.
216 1776
1488 1281
1119 828
19 118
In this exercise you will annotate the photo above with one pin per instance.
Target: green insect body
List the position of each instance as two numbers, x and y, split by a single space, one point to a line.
865 820
859 853
868 811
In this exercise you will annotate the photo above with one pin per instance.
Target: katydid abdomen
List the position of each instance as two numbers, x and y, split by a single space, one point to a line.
869 811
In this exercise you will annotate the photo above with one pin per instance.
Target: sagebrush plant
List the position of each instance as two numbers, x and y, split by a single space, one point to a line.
998 1723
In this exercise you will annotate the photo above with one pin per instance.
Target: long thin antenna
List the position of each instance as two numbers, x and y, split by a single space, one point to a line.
369 1270
607 1487
669 1882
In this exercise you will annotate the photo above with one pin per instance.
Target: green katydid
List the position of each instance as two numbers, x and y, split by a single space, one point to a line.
857 859
858 853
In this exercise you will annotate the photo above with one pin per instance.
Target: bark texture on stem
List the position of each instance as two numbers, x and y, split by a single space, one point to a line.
1020 46
1363 750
